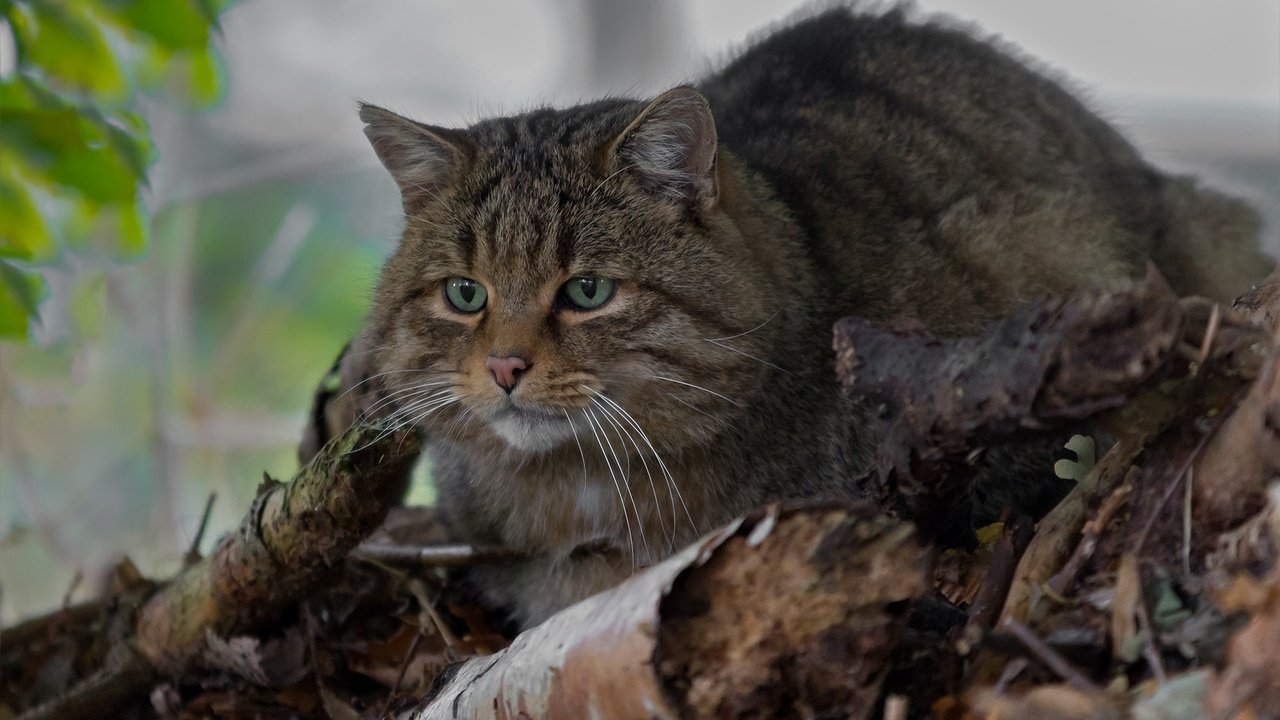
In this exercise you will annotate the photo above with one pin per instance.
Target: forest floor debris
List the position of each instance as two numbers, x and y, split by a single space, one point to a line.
1152 590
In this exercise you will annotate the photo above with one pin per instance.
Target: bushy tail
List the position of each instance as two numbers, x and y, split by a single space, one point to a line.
1211 243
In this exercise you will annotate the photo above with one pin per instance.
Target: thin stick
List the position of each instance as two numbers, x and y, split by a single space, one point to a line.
404 667
193 553
1177 479
1062 581
1186 522
1210 333
1150 650
71 589
436 555
1050 657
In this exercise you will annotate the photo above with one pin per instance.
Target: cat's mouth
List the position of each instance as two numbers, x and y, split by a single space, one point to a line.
532 429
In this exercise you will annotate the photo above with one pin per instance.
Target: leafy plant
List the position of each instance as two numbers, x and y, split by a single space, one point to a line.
74 150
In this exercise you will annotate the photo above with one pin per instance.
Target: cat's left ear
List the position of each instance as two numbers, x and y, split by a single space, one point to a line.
423 159
672 146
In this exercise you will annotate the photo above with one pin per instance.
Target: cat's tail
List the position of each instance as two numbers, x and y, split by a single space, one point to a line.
1211 242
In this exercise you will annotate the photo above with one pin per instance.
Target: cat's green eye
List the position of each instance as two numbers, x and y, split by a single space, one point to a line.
465 295
588 293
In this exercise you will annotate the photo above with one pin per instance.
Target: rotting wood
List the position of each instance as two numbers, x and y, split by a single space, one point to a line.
1207 367
1242 457
293 535
707 633
938 400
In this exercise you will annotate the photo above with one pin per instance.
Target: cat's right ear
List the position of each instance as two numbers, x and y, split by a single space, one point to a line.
672 146
421 158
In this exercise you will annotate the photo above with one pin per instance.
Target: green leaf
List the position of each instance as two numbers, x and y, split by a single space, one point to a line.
174 24
204 78
62 40
1086 458
129 233
20 294
76 151
24 234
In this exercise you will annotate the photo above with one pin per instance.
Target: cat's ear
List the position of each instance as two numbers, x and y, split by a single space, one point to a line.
672 146
423 159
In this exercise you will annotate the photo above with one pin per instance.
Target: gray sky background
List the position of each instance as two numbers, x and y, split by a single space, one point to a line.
296 66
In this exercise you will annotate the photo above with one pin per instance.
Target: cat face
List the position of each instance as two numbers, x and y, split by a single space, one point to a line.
566 275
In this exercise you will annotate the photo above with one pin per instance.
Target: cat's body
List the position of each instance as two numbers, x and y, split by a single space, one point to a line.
856 165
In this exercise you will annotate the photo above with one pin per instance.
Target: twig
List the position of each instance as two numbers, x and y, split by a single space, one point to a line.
1150 651
419 590
1216 424
193 553
71 589
103 694
995 583
1010 672
1050 657
404 667
436 555
1210 333
308 619
1186 522
1062 581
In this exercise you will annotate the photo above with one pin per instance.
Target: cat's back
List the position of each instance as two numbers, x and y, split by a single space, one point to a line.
970 182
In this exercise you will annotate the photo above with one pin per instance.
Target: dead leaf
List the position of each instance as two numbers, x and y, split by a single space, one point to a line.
238 656
1048 702
1124 609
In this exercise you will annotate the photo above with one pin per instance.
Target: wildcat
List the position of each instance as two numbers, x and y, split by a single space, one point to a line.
613 321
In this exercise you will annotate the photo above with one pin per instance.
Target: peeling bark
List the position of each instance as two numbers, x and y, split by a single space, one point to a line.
938 400
292 536
787 612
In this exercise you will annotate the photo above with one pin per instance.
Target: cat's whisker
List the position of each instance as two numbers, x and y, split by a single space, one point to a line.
436 407
398 418
622 503
403 395
672 485
458 423
403 399
748 355
670 536
394 428
689 405
748 332
626 483
586 478
729 400
371 378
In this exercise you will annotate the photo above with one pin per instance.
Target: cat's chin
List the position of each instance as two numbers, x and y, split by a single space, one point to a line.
532 432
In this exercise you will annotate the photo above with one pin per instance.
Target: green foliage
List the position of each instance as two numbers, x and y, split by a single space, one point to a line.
73 149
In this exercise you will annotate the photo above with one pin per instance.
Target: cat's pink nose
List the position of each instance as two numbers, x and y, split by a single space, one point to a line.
506 370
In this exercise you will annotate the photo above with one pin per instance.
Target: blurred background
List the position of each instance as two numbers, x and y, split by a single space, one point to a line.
176 347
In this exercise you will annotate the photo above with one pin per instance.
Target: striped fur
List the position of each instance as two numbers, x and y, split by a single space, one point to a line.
867 164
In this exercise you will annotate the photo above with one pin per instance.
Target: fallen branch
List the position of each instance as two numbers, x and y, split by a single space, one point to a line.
788 609
293 535
940 400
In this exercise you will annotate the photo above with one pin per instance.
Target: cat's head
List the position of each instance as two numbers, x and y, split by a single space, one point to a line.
568 272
